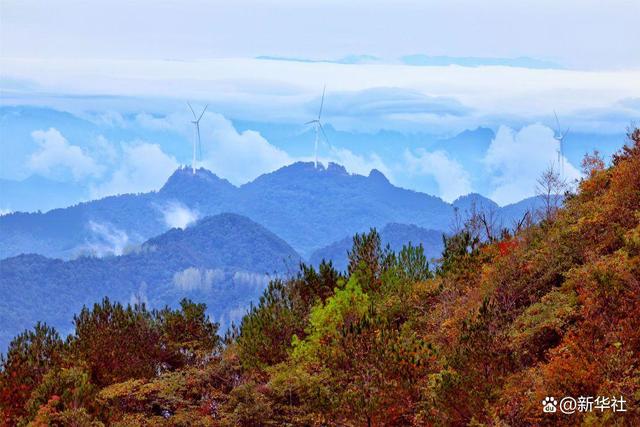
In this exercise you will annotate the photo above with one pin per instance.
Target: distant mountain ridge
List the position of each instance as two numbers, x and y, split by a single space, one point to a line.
223 260
394 235
306 206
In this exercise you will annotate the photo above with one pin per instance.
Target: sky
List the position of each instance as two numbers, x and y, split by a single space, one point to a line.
402 79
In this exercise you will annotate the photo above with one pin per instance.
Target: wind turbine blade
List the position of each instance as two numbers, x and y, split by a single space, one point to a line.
557 121
310 121
322 102
191 108
205 109
323 132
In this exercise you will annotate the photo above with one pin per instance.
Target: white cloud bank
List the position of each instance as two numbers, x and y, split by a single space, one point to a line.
177 215
358 164
238 156
250 279
196 279
106 239
56 156
452 179
516 159
143 167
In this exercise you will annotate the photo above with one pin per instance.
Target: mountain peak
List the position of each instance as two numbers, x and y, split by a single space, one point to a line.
378 176
336 169
203 179
481 202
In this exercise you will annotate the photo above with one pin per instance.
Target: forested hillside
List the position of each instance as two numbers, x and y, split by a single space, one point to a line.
394 235
224 261
507 319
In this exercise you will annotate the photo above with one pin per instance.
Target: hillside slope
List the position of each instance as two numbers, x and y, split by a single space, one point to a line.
222 260
394 235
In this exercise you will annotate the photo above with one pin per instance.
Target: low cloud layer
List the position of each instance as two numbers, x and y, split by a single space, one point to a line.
387 101
177 215
516 159
452 179
358 164
143 167
238 156
255 280
106 239
196 279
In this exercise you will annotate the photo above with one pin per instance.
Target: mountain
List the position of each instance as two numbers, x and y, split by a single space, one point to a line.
311 207
223 260
474 201
395 235
308 207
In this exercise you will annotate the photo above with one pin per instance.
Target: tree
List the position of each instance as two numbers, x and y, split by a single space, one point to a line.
118 343
29 357
592 163
188 333
368 260
65 397
551 187
457 248
282 312
413 264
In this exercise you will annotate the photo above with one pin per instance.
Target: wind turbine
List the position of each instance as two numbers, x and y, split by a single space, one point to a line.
197 146
317 124
559 136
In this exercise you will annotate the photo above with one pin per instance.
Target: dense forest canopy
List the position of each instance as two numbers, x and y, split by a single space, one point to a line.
508 318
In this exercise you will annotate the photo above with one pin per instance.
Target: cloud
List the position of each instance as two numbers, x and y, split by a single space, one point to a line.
516 159
56 156
171 122
242 156
357 164
104 150
452 179
385 101
438 61
177 215
255 280
106 239
192 279
109 118
143 167
238 156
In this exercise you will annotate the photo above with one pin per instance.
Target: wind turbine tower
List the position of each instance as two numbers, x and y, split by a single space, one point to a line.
317 124
559 136
197 146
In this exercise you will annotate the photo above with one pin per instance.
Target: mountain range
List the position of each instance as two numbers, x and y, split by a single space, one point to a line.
201 237
306 206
